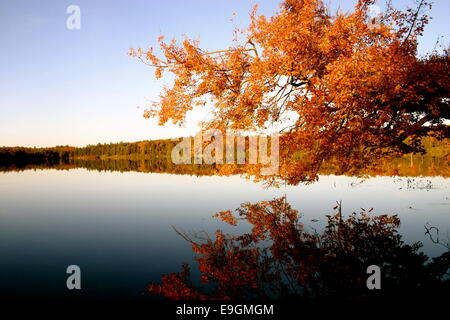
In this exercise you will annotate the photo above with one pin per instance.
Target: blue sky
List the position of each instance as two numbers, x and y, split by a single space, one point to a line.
77 87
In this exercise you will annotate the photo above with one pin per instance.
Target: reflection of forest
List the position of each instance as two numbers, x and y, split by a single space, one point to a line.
407 166
155 156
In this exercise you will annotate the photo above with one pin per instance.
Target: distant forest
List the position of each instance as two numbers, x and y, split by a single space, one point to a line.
154 156
55 155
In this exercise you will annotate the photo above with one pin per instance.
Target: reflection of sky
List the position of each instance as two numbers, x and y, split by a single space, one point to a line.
117 226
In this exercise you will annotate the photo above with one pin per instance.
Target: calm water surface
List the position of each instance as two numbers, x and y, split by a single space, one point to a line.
118 226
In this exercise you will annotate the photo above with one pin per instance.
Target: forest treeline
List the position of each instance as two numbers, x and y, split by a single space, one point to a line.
22 156
154 156
55 155
149 148
416 166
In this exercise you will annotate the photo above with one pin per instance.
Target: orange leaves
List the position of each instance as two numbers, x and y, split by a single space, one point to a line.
158 72
340 88
227 217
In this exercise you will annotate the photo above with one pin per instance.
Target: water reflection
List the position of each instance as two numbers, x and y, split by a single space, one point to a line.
419 165
280 258
116 221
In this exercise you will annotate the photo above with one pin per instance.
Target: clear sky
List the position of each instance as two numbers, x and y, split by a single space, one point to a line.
77 87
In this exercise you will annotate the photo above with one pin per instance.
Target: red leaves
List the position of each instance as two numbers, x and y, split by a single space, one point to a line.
227 217
345 91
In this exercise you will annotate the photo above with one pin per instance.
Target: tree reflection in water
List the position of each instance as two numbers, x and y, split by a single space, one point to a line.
280 258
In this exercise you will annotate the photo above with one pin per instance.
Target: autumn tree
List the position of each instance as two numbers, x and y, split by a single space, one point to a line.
338 86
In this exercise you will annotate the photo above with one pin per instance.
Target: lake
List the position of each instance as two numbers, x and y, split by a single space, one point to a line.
118 226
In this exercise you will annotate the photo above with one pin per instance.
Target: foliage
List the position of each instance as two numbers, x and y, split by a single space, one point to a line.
154 148
342 88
